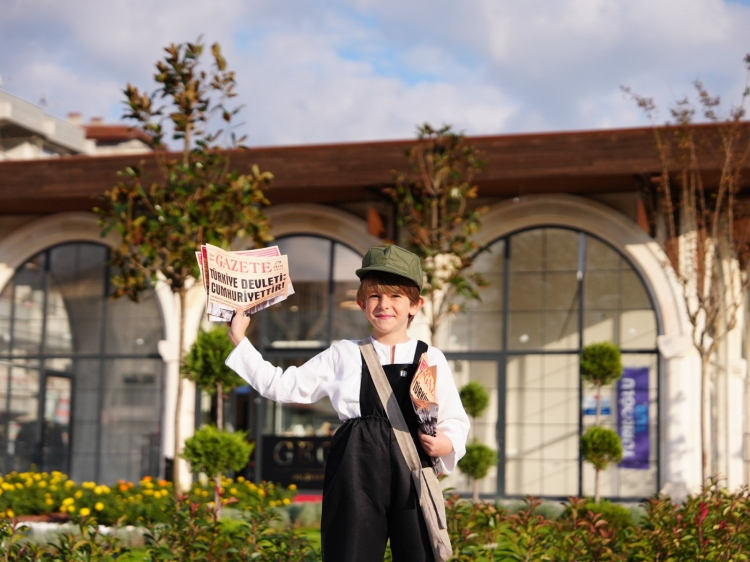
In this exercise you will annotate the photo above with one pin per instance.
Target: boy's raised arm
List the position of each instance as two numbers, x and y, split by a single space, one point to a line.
238 326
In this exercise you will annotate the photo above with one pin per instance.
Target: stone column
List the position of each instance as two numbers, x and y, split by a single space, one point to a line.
680 431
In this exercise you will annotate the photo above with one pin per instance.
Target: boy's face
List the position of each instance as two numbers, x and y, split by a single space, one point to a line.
388 314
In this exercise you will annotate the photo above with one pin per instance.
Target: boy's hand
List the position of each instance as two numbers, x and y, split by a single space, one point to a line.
437 446
238 326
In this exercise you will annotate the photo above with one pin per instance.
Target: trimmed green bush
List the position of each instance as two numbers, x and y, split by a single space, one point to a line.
204 363
477 461
215 452
474 398
600 363
601 446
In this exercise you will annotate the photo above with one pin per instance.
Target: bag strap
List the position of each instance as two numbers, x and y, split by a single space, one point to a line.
392 410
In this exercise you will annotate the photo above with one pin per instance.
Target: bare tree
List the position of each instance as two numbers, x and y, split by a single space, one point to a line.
703 222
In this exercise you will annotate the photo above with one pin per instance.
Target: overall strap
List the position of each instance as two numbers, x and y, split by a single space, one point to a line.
421 348
392 410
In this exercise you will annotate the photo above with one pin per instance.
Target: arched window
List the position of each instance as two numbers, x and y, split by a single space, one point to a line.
322 310
552 291
80 376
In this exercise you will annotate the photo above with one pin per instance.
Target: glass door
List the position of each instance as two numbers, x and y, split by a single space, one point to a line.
55 444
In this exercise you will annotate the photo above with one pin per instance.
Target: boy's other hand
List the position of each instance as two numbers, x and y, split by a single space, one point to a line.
238 326
437 446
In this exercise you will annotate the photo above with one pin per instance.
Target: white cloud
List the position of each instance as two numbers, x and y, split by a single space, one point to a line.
366 69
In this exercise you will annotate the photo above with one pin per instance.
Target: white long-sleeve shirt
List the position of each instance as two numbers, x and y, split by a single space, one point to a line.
337 374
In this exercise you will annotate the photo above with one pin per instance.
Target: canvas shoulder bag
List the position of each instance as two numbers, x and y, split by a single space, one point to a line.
426 483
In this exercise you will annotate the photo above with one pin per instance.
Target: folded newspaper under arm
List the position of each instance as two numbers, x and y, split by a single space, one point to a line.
252 279
422 391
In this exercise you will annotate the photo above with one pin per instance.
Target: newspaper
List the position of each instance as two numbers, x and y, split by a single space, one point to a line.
253 279
422 391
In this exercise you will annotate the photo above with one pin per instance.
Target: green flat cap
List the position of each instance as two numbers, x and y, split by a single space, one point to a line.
392 259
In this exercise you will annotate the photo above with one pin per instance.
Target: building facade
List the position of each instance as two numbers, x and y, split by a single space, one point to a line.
87 383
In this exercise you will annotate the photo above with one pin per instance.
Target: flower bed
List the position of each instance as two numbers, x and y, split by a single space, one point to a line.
55 496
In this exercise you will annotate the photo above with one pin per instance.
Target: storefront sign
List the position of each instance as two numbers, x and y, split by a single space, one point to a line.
295 460
632 418
589 406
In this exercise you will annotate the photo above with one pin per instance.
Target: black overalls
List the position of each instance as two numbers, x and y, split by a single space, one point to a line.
368 494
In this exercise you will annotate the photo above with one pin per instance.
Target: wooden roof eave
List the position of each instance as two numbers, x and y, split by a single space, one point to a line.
572 162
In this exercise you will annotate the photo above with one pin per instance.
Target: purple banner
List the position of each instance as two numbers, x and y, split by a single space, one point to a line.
632 417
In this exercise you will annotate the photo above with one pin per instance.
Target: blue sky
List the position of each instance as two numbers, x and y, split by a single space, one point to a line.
342 71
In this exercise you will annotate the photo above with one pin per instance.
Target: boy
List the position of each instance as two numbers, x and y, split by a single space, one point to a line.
368 494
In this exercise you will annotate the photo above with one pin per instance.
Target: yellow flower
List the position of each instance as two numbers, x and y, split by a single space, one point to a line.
78 494
49 501
84 512
163 483
68 501
287 501
42 484
292 487
37 477
9 513
53 488
261 493
19 485
233 491
240 479
98 506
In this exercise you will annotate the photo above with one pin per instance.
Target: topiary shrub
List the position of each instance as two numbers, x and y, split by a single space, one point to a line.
479 458
474 398
217 452
204 365
477 461
600 363
600 446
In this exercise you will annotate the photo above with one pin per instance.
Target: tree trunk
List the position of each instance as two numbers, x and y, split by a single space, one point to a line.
178 401
597 497
219 426
475 489
219 406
